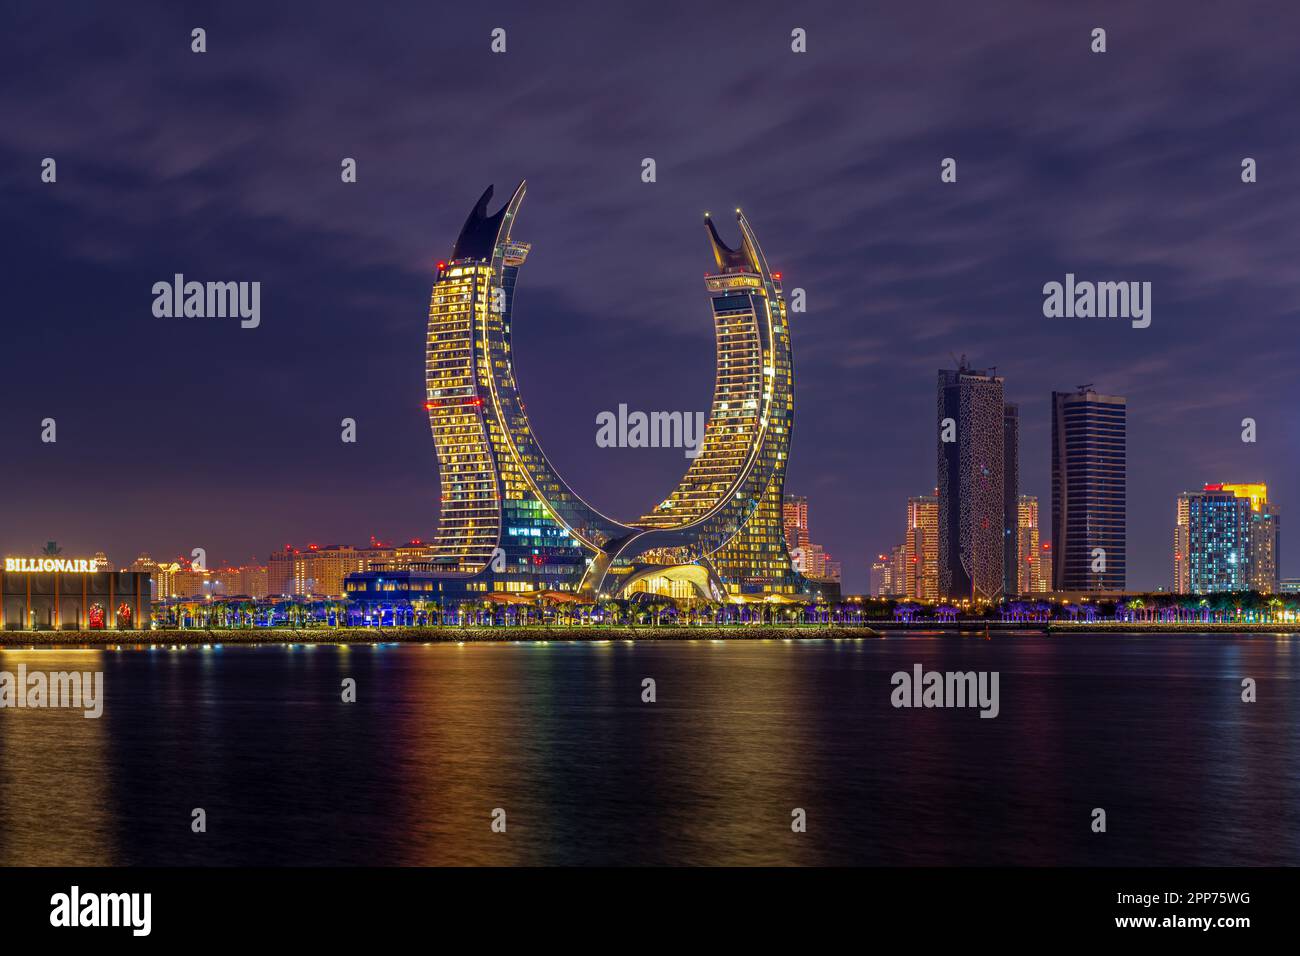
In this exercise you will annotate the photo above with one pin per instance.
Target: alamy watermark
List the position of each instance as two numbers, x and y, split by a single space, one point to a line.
626 429
75 690
922 688
75 908
209 300
1101 300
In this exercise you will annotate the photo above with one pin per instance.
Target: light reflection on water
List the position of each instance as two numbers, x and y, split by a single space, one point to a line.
1151 727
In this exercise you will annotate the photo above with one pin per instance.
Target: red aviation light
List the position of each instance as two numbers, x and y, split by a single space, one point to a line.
776 276
441 265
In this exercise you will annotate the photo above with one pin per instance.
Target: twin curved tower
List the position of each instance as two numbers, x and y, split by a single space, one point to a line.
508 520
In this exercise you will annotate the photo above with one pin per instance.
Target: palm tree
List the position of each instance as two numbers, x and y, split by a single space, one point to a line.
1274 609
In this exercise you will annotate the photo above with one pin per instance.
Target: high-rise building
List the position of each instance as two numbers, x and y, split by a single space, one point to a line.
1265 550
1182 546
1030 578
508 522
972 521
183 580
314 571
279 572
898 570
814 562
794 517
1010 498
882 579
1089 488
809 559
921 547
1218 536
248 580
1263 536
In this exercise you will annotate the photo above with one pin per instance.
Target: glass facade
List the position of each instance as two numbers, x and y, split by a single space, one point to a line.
1089 491
1232 539
1218 531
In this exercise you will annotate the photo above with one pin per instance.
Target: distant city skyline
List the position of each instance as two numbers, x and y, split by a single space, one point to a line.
177 433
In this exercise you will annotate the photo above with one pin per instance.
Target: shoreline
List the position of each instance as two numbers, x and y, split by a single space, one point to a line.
446 634
14 640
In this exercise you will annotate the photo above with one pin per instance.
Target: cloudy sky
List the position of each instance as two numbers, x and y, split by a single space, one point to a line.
181 433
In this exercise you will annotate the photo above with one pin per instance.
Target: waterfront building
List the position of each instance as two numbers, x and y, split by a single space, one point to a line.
1265 549
898 568
1182 547
972 473
1030 578
881 578
316 570
507 520
1089 491
57 593
1010 499
1218 533
1260 533
808 558
245 581
279 572
1265 535
794 515
815 562
921 547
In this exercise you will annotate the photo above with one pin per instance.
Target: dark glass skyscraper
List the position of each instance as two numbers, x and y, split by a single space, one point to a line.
971 473
1089 490
1010 499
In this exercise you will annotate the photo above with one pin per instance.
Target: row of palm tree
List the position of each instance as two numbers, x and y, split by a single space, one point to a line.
246 613
637 610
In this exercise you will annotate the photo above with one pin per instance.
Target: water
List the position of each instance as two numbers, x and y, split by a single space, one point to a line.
1150 728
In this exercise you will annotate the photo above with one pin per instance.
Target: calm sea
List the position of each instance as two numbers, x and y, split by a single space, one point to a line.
1150 728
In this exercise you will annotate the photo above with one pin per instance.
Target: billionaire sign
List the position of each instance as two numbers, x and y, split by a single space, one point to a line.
67 565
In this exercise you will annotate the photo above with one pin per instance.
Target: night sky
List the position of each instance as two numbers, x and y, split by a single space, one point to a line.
183 433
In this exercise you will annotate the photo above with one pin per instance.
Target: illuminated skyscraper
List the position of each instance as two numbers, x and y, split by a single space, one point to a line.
1010 498
808 558
1089 491
509 522
794 513
1265 550
898 570
1218 534
1261 534
1182 564
921 546
882 578
972 503
1029 575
